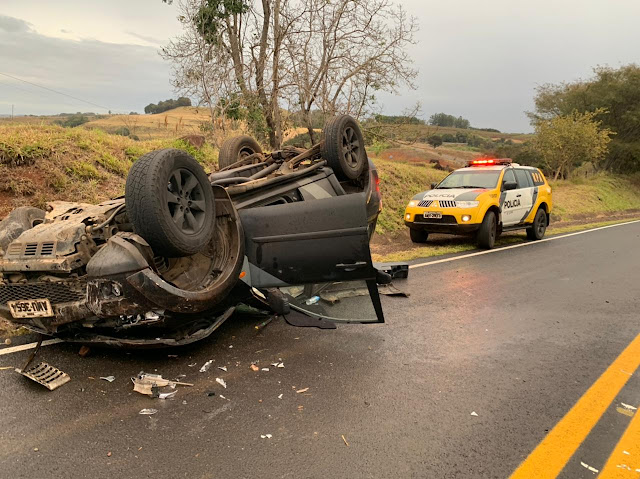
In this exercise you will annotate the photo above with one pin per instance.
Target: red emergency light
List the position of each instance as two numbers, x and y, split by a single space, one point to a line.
490 161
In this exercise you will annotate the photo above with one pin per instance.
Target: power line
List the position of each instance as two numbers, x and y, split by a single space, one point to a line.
55 91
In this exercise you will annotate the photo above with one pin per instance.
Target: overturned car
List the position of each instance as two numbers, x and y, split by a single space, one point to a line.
170 261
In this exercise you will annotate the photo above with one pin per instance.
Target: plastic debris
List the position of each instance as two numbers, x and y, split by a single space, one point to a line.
264 323
265 369
254 367
108 378
224 368
167 395
221 382
312 300
627 406
205 367
148 412
625 452
192 365
231 346
587 466
302 390
280 396
266 436
473 413
149 384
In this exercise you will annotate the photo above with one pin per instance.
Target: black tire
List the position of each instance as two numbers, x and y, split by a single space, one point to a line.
418 236
343 147
236 149
537 230
17 222
488 231
170 202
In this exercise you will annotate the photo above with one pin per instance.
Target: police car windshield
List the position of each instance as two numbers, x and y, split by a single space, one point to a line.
471 179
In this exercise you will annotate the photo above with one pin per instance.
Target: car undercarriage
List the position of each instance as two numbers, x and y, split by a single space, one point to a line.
285 232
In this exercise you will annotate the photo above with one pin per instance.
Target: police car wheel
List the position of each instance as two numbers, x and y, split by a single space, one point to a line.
418 236
488 231
537 230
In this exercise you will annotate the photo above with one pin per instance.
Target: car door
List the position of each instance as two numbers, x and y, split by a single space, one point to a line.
317 253
509 200
526 193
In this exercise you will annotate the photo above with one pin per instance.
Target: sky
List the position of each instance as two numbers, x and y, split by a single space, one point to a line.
479 60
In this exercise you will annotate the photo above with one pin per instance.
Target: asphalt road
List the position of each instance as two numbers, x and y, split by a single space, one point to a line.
516 336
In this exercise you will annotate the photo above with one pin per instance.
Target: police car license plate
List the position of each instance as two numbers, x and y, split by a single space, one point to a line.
433 215
30 308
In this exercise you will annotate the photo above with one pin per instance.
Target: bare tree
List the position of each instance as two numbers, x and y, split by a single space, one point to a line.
330 55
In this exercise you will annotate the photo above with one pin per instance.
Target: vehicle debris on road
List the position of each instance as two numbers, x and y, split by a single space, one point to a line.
149 385
266 436
148 411
254 367
205 367
221 382
108 378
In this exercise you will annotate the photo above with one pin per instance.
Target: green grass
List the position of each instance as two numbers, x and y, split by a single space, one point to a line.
596 195
399 182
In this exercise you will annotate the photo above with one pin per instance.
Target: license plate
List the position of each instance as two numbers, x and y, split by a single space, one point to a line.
30 308
433 215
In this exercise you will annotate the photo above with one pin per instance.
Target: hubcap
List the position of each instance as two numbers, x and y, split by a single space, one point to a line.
350 147
185 201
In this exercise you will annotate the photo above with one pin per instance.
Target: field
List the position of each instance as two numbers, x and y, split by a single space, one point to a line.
40 162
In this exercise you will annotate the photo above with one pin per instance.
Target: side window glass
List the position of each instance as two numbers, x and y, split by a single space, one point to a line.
508 177
524 181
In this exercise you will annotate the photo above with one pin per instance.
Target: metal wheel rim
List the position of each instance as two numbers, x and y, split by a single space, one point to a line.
186 201
244 153
350 147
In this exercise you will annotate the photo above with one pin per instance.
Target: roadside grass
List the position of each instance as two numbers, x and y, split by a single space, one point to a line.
41 163
602 193
462 244
399 182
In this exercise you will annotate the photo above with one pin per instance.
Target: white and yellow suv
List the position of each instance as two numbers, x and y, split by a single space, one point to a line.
487 197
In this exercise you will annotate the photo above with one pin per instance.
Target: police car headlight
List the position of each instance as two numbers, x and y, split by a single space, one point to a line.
413 202
467 204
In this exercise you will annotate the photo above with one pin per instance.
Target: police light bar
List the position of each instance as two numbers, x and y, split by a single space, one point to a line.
490 161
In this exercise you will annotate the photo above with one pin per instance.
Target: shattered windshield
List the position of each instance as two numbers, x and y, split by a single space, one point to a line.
471 179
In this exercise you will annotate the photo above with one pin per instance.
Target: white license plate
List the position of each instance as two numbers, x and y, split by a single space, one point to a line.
433 215
30 308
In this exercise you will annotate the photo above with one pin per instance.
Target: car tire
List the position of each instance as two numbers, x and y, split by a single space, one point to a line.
236 149
343 147
170 202
488 231
17 222
537 230
418 236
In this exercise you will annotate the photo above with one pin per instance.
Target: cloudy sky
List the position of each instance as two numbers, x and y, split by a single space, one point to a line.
481 60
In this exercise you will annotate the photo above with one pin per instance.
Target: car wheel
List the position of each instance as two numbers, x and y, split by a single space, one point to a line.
17 222
418 236
537 230
488 231
170 202
237 149
343 147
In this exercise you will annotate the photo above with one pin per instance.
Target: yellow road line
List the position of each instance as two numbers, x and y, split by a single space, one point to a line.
626 455
551 455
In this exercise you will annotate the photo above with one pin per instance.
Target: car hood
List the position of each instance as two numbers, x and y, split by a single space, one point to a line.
454 194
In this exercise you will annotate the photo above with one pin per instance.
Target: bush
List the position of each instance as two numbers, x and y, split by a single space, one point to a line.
72 121
448 138
435 140
122 131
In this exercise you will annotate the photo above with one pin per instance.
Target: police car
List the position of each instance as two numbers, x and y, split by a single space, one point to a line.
487 197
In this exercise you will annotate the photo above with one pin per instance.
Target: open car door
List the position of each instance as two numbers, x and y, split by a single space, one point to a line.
317 253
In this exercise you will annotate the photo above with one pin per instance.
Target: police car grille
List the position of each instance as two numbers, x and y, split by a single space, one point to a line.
54 292
447 203
425 203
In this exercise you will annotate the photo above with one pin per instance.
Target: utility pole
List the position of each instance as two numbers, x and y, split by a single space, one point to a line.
11 112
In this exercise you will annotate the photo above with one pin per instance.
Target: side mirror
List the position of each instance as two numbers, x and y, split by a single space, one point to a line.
433 186
509 185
